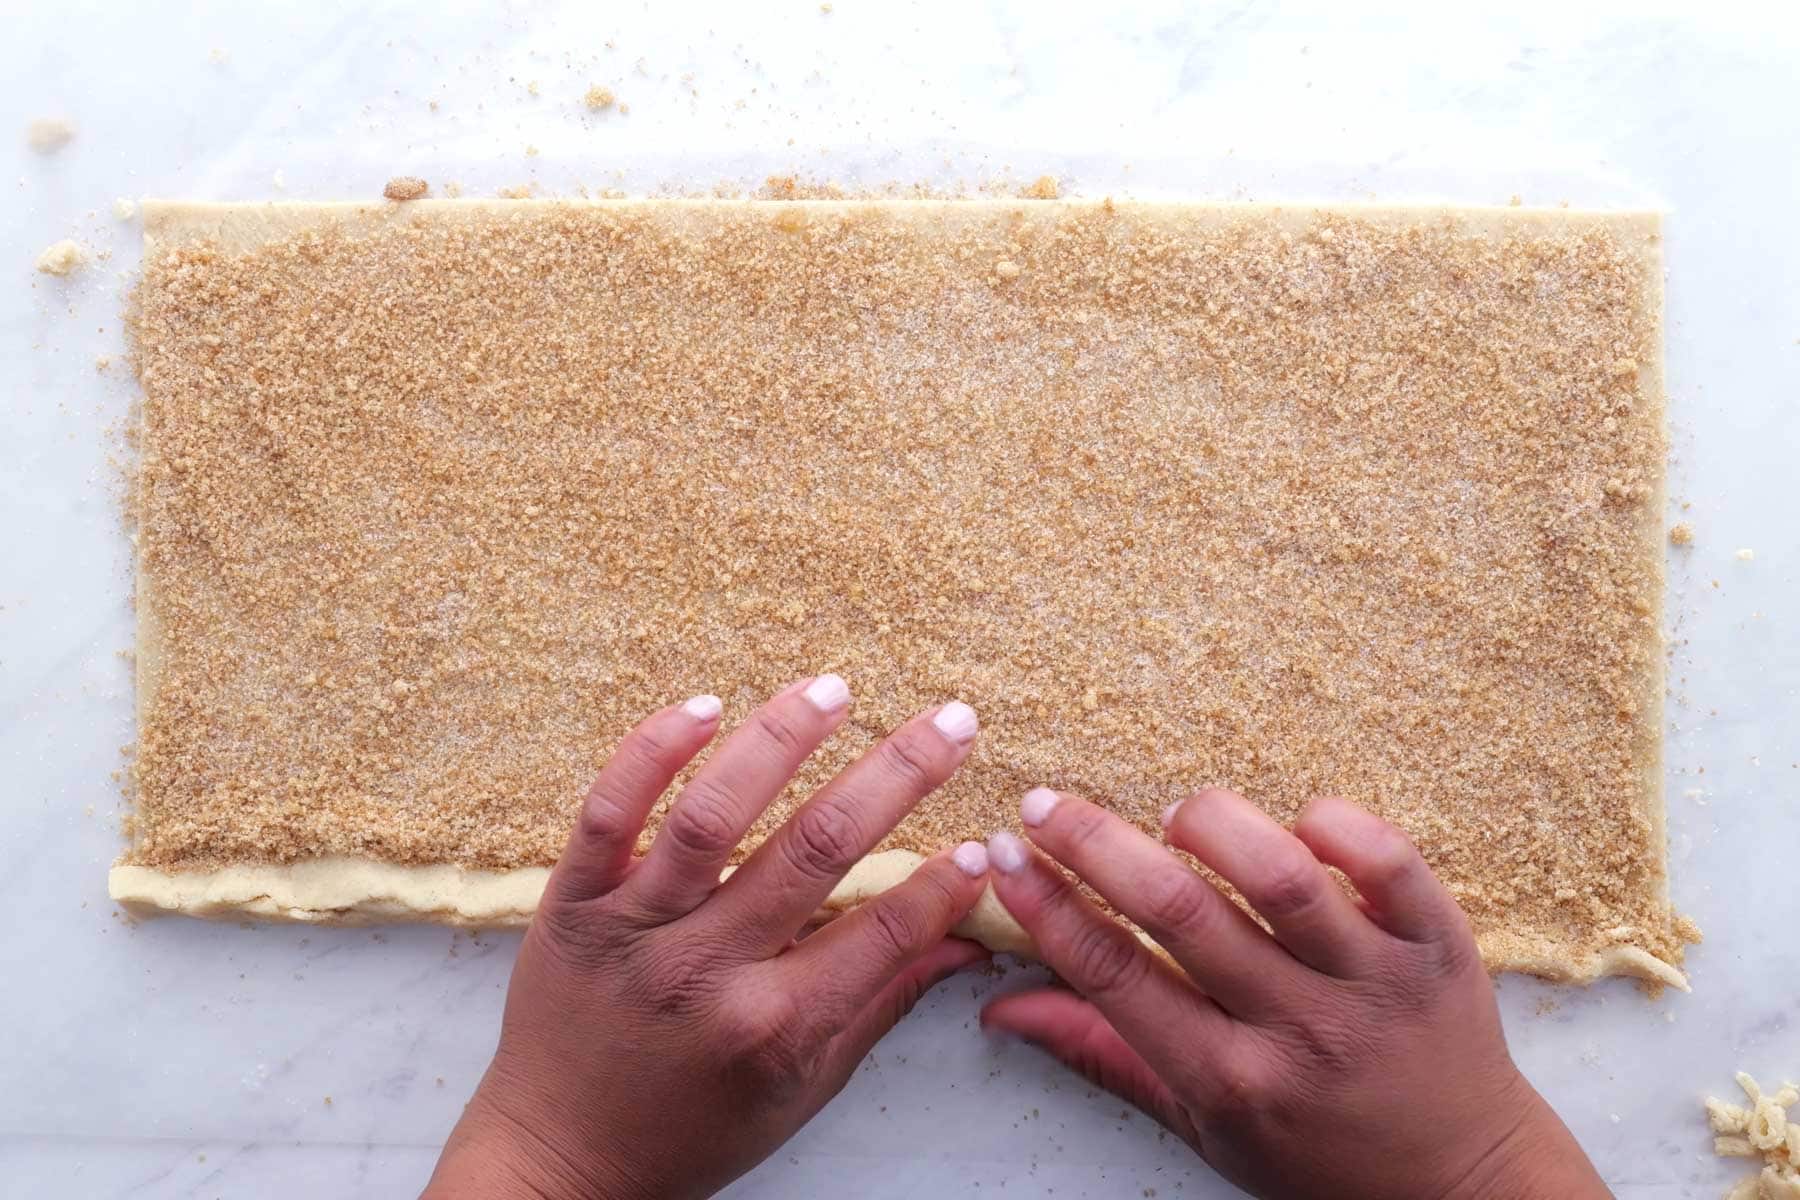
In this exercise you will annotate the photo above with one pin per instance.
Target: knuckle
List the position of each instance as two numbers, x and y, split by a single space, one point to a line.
1392 856
824 840
768 1043
909 758
1292 886
1247 1084
646 743
1105 959
897 928
1177 899
781 731
1083 830
604 820
699 827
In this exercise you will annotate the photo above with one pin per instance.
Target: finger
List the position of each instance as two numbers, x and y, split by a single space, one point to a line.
718 805
773 895
1161 1014
844 965
1075 1032
1401 894
879 1015
1232 960
598 852
1278 875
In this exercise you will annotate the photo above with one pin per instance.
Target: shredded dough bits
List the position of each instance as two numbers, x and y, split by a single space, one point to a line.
437 499
1761 1130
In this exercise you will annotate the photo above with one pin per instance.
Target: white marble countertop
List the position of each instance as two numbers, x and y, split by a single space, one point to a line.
181 1059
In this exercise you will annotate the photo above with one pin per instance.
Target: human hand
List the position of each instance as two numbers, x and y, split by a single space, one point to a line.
1354 1051
665 1032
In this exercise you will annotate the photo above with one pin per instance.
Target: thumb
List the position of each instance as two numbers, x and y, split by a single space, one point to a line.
895 1000
1076 1033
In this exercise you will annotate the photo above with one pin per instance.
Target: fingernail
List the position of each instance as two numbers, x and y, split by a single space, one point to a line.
703 708
1168 814
827 693
972 858
1035 808
1007 852
956 721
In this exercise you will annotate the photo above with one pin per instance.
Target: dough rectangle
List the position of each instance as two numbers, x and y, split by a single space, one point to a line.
436 496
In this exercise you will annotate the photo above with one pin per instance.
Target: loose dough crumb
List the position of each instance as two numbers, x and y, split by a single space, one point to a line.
1745 555
1760 1130
1682 534
406 187
124 208
598 98
432 512
61 258
1046 188
47 135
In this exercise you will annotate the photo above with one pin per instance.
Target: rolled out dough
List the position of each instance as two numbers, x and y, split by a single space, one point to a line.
349 889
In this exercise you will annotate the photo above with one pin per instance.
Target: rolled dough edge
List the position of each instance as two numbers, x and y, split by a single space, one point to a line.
348 891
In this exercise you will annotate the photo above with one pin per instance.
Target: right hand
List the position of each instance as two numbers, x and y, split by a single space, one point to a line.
1350 1051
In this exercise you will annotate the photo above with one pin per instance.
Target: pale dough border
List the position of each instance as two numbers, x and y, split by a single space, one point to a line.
357 891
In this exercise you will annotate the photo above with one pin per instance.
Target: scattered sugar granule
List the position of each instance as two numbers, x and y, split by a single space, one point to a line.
218 56
598 97
47 135
405 187
531 152
1682 534
124 208
1746 554
279 179
532 88
61 258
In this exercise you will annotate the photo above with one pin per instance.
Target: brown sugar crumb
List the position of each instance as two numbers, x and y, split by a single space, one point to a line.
430 514
406 187
1682 534
521 191
598 98
1045 187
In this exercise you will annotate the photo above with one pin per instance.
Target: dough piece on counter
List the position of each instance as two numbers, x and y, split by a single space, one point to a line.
436 499
1762 1130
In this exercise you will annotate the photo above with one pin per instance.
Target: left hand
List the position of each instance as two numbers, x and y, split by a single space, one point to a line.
665 1032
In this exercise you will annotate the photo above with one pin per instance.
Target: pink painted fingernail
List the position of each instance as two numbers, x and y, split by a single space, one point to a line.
703 708
827 693
1007 852
972 858
1035 808
1168 814
957 722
